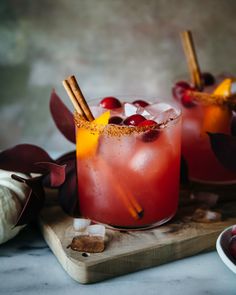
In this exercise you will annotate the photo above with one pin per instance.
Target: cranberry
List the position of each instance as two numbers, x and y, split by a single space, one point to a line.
233 232
208 79
232 247
147 123
187 100
110 103
115 120
180 92
140 103
179 89
149 135
134 120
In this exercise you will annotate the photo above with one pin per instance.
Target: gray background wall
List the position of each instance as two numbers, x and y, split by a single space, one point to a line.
112 46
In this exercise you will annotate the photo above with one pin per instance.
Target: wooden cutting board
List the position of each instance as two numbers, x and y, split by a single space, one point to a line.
129 251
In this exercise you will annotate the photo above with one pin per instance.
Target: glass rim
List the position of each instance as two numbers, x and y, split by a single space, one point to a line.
120 130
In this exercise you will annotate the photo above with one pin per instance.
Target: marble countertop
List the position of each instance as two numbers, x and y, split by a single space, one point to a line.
27 266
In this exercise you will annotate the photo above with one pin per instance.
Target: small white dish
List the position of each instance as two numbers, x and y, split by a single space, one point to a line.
222 246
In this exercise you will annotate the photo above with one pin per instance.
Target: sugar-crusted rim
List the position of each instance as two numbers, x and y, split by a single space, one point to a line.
120 130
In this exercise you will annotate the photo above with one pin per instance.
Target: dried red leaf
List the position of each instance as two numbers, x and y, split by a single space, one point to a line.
67 195
57 173
64 159
22 158
28 158
224 148
62 117
67 159
34 201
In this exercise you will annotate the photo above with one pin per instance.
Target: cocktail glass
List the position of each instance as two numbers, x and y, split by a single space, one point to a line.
128 177
199 119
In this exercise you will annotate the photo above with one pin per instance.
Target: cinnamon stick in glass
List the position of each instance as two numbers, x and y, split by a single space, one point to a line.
80 98
73 99
190 53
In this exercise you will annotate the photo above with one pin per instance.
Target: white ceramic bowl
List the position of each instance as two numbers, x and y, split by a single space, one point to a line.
222 246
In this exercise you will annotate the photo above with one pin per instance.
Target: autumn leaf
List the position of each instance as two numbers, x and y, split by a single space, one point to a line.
22 158
224 148
62 117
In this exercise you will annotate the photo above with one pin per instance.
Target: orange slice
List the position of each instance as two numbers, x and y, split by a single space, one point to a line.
87 139
217 118
224 88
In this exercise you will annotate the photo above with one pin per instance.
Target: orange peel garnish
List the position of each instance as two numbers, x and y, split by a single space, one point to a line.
87 139
217 118
224 88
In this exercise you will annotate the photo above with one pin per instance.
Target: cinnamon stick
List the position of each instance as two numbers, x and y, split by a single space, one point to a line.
73 99
190 53
80 98
130 202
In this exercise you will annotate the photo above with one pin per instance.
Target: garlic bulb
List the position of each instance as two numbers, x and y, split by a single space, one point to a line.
12 197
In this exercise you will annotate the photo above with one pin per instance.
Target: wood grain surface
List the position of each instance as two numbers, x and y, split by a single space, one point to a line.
129 251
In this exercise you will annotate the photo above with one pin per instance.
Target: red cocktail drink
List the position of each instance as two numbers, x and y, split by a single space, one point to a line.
200 118
128 169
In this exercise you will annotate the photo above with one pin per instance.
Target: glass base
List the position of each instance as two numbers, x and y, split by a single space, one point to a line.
134 228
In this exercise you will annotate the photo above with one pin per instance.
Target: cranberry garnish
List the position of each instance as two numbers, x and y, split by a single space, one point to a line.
140 103
110 103
187 100
134 120
208 79
180 92
115 120
232 246
147 123
179 89
149 135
